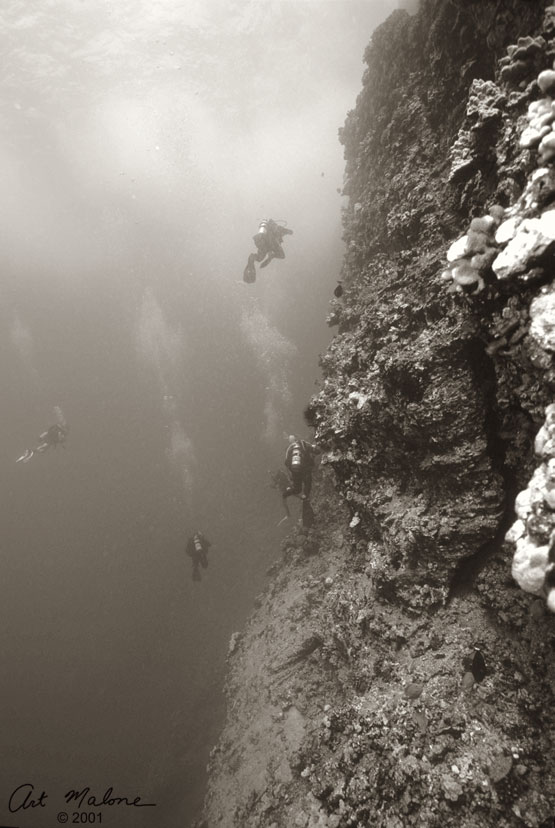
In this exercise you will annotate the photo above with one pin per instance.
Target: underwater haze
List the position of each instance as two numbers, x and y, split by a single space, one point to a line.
141 142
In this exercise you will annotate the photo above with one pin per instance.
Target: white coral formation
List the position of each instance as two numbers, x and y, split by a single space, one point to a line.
530 565
507 230
521 58
511 248
533 533
471 255
532 239
542 319
541 115
540 131
544 437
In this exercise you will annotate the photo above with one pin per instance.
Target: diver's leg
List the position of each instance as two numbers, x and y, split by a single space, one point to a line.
296 486
276 252
285 506
249 273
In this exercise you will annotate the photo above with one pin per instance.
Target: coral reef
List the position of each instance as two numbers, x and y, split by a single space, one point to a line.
394 673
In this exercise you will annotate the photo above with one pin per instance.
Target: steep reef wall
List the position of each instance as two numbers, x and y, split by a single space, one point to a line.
393 672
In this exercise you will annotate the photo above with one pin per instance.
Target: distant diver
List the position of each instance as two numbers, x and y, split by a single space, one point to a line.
53 437
197 548
299 460
268 241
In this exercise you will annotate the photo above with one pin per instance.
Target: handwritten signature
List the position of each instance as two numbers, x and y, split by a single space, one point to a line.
24 797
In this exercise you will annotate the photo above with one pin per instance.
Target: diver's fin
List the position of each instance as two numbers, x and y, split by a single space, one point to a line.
249 274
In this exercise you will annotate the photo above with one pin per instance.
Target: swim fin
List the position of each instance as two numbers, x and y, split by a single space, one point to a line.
249 274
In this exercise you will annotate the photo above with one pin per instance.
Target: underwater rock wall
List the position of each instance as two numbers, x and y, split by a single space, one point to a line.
409 411
393 672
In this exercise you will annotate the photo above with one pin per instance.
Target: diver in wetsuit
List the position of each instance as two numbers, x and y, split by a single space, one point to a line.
55 436
268 241
197 548
299 459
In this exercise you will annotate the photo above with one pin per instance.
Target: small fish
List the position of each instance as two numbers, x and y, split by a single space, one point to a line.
338 291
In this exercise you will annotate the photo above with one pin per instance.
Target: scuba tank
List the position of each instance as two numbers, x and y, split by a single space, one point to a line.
198 544
263 232
296 457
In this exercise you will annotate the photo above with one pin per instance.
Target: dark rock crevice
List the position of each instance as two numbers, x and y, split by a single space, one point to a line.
465 574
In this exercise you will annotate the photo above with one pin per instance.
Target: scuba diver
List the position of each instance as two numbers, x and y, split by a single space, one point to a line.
55 436
268 241
197 547
299 459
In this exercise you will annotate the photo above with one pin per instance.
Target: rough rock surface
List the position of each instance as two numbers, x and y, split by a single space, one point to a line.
393 674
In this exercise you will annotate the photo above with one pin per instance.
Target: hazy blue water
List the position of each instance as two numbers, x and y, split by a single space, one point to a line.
140 144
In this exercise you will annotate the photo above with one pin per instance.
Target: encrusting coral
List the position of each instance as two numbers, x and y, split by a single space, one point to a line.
521 59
